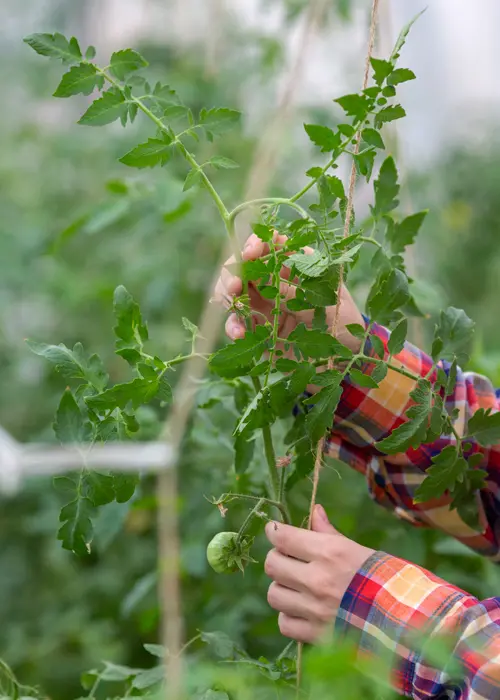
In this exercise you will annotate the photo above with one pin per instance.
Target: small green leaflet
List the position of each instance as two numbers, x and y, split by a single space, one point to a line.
108 108
70 425
386 188
310 265
448 468
316 344
73 364
401 75
81 79
381 69
484 426
194 177
136 392
402 234
147 155
389 114
130 329
265 233
125 62
76 530
243 453
320 417
124 486
398 337
322 136
413 430
362 379
355 105
389 293
218 120
257 414
55 46
222 163
453 335
243 352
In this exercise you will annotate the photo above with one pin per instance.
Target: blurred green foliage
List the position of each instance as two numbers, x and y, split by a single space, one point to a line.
74 224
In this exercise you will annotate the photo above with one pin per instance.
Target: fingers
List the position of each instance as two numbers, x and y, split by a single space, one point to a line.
299 629
287 571
296 604
256 248
235 327
295 542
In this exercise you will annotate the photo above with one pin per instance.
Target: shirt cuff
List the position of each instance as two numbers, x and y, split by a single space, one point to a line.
388 604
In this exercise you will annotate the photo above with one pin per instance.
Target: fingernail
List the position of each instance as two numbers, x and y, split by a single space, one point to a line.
321 512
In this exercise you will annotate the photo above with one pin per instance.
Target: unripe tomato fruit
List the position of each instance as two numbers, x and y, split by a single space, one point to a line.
226 554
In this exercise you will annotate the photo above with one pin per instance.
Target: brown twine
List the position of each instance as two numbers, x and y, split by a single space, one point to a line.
347 226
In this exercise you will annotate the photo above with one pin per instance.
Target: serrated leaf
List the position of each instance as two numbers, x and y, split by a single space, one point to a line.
379 372
137 392
413 431
365 162
130 329
81 79
453 335
222 163
402 234
125 62
220 643
354 105
320 418
401 75
398 337
242 352
448 467
361 379
381 69
315 344
111 106
147 155
403 35
373 138
73 364
70 425
99 488
55 46
149 678
243 453
164 392
484 426
90 53
309 264
321 291
265 233
193 178
386 188
257 414
218 120
389 114
322 136
389 293
76 531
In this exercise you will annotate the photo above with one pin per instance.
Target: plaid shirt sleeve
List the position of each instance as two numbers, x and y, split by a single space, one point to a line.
389 598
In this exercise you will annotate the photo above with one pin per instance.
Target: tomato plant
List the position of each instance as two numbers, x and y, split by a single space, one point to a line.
268 374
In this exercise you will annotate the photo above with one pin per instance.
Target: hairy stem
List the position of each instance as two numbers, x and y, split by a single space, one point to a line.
267 200
275 504
250 517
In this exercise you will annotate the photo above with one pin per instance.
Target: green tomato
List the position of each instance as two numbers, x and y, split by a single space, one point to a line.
226 554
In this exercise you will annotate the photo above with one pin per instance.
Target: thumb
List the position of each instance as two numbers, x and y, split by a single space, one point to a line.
320 522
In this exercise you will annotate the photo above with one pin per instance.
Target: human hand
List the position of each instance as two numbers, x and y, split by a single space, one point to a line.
230 286
311 571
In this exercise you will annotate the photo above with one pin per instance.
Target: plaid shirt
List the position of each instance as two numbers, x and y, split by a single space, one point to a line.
390 600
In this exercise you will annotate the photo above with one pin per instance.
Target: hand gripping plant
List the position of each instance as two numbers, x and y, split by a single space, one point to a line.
268 369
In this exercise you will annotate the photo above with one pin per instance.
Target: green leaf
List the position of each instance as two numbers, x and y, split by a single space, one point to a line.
401 40
365 162
320 417
389 114
164 392
125 62
389 293
76 530
136 392
362 379
90 53
157 650
373 138
314 172
219 120
379 372
309 264
448 468
73 364
484 426
130 330
412 432
242 352
401 75
400 235
149 678
81 79
108 108
453 335
322 291
355 105
55 46
147 155
193 178
386 188
243 453
222 163
70 425
357 330
322 136
398 337
99 488
124 486
257 414
381 69
265 233
220 643
316 344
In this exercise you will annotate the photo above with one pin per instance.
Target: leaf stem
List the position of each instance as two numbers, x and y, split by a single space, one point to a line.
250 517
276 504
269 450
267 200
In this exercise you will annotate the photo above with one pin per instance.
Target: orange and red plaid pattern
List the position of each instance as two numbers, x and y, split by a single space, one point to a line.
390 600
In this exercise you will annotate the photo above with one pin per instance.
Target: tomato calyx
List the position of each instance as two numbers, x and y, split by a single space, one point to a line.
228 552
